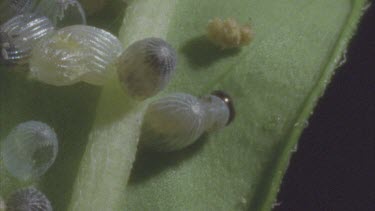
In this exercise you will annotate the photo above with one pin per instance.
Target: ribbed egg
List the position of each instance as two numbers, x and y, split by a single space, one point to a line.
28 199
20 34
178 120
146 67
173 122
73 54
29 150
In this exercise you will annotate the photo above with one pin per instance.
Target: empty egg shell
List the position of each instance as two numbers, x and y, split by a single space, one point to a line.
146 67
29 150
62 12
73 54
28 199
20 34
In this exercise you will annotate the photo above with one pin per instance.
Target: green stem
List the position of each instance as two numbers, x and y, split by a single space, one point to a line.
112 145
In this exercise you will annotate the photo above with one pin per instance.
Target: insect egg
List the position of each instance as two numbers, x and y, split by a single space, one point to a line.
146 67
29 150
178 120
20 34
173 122
28 199
73 54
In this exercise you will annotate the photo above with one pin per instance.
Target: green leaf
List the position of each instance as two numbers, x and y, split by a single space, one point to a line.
275 82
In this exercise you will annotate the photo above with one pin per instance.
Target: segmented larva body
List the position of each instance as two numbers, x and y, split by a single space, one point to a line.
73 54
146 67
29 150
20 34
28 199
178 120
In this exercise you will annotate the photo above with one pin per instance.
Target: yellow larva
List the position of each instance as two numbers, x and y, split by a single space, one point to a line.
228 33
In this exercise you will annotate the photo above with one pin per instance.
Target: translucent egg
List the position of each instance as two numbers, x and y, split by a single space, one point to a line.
178 120
62 12
28 199
20 34
146 67
73 54
29 150
173 122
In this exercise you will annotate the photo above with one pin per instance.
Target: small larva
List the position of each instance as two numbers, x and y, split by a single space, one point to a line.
19 35
29 150
178 120
228 33
56 11
73 54
146 67
28 199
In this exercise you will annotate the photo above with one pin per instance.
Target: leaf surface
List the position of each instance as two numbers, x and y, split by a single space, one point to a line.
275 82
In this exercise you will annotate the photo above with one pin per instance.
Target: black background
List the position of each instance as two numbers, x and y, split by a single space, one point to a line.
334 167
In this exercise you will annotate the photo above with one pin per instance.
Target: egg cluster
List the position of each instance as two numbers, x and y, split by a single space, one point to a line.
62 52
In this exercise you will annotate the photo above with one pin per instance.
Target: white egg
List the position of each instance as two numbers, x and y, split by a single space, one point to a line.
73 54
29 150
146 67
173 122
20 34
28 199
178 120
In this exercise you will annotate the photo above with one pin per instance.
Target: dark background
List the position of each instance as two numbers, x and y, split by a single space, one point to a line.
334 167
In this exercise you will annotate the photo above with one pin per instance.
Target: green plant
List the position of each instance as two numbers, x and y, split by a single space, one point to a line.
275 83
